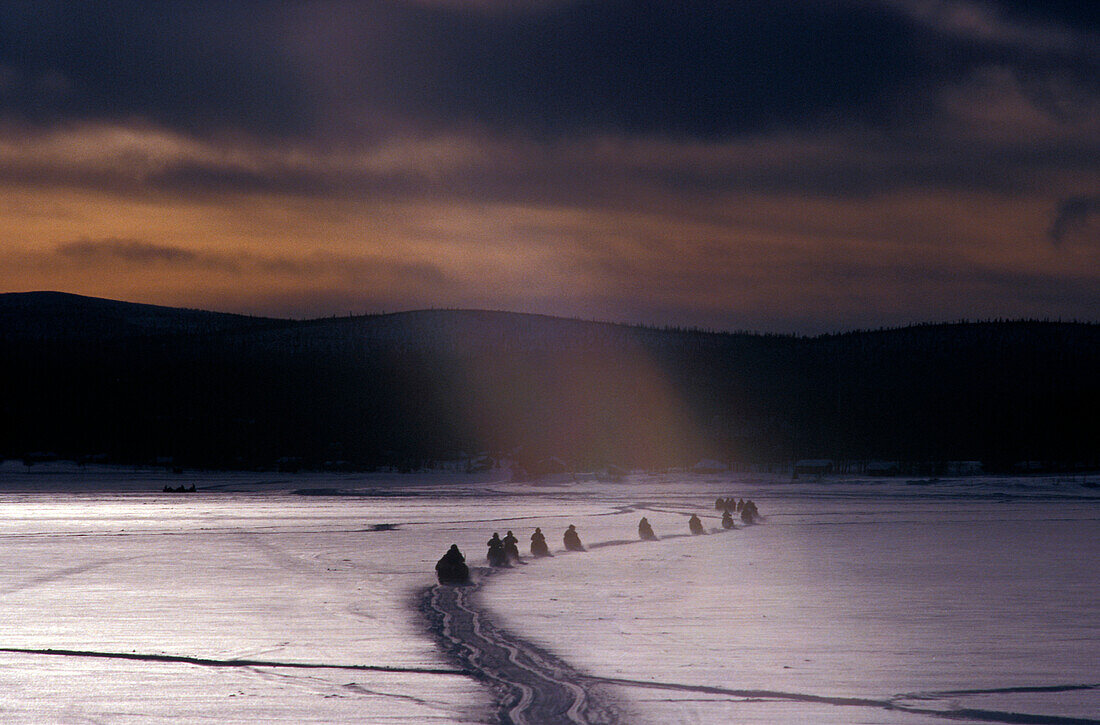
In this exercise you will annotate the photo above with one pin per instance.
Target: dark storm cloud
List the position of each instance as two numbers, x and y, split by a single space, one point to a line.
325 69
188 65
681 68
1070 13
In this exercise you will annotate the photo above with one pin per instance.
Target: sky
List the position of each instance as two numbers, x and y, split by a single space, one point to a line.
783 166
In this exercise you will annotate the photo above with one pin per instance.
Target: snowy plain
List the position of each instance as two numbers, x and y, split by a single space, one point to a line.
870 601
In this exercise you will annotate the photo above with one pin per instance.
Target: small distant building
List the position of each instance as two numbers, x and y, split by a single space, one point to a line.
708 465
549 466
480 464
883 468
813 467
964 468
612 473
29 459
289 464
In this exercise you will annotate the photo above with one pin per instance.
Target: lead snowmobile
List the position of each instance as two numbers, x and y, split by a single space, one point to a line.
452 569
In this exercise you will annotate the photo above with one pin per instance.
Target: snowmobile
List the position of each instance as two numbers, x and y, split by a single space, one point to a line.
538 544
496 555
696 525
572 540
452 569
511 548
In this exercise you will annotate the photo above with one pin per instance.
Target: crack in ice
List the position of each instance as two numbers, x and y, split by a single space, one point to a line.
208 662
961 714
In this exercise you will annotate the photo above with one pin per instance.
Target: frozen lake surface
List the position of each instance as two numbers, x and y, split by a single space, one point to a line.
872 602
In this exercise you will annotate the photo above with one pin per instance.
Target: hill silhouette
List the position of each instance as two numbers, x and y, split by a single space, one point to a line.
59 316
134 383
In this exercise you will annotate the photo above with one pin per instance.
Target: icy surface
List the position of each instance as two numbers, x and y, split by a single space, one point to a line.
923 598
922 595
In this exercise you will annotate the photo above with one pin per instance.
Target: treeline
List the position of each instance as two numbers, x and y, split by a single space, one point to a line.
404 390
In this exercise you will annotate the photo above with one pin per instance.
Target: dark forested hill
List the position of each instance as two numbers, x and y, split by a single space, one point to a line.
137 382
58 316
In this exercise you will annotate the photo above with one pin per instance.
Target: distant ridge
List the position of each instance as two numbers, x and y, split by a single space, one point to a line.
63 317
51 315
59 315
135 383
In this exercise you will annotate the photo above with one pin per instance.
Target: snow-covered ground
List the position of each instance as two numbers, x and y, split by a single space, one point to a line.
852 597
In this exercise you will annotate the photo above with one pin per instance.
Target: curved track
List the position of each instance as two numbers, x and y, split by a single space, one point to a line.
533 687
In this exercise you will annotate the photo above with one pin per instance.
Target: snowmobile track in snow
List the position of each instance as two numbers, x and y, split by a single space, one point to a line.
533 687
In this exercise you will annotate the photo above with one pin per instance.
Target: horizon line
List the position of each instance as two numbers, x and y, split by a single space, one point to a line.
685 328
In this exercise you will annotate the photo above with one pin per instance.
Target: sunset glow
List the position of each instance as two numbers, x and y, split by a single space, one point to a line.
359 158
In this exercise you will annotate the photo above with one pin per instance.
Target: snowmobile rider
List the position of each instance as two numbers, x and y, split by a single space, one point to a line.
572 540
452 569
511 548
696 525
538 544
496 555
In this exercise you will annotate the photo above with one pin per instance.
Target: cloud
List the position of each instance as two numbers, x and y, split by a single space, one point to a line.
988 133
699 68
125 251
1005 25
334 72
687 69
699 160
137 254
1076 219
191 65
